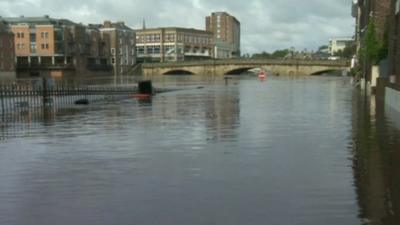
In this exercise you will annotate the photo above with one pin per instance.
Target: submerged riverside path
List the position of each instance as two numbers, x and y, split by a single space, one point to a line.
300 151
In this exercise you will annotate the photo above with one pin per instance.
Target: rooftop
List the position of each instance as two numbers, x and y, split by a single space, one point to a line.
44 20
174 28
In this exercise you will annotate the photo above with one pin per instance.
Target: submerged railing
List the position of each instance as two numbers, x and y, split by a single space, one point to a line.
19 96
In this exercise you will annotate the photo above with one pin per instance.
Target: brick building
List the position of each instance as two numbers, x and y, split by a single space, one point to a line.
7 55
57 48
122 46
365 12
394 42
173 44
226 34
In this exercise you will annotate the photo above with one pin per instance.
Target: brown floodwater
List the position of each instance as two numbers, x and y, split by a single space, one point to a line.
287 151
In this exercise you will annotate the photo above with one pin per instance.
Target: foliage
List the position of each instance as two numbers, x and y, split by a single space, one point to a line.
374 49
348 52
323 47
278 54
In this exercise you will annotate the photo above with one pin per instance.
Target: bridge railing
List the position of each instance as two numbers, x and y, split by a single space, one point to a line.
216 62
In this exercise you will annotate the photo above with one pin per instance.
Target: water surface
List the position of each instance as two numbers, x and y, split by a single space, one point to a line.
285 151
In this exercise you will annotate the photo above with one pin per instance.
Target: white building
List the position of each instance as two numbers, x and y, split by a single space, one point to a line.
339 44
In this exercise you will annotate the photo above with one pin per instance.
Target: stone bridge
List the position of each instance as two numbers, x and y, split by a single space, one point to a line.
238 66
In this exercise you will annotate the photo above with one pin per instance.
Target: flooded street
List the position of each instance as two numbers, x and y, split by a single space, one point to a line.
285 151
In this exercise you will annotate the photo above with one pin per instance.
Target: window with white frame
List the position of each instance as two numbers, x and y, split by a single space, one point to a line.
113 51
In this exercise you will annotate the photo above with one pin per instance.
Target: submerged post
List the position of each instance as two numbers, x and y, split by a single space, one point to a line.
2 99
145 87
45 92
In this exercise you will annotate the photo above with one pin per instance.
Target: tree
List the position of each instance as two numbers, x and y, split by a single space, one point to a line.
374 49
322 47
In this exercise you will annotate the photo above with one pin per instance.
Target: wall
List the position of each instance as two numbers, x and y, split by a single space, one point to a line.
392 98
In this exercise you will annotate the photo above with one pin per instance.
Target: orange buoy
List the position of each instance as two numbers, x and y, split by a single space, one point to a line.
262 75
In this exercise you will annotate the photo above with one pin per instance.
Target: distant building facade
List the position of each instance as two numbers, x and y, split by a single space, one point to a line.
7 55
57 48
122 46
226 34
173 44
339 44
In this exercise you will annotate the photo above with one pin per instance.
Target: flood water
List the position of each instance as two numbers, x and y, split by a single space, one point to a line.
287 151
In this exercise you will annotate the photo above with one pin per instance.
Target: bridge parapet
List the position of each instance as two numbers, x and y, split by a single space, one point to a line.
338 63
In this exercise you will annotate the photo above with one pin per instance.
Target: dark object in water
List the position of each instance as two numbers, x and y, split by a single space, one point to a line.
145 87
82 102
200 87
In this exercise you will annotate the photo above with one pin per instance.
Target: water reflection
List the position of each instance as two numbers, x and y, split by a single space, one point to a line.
285 151
376 161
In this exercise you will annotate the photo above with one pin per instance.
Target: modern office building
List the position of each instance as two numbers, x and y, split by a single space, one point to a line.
122 46
7 55
339 44
173 44
57 48
226 34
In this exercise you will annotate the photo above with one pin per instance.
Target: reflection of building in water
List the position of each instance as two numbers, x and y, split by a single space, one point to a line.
222 115
208 116
376 146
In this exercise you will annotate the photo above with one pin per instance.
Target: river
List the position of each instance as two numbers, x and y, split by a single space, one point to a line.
286 151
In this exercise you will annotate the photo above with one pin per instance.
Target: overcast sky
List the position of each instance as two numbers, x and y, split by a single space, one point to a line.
266 25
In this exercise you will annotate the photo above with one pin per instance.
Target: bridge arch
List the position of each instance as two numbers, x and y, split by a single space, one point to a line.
240 70
178 72
327 71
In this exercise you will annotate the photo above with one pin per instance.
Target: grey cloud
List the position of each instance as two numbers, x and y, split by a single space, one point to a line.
266 24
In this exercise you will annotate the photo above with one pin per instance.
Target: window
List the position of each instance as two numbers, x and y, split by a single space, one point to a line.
20 46
140 49
44 35
33 48
112 60
32 36
120 51
113 51
120 41
157 49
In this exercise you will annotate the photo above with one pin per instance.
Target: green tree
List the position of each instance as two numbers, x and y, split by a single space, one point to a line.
374 49
280 53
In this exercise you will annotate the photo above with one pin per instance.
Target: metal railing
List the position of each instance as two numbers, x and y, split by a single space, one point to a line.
44 92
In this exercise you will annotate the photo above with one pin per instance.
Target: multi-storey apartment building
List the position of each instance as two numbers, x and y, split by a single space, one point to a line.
46 46
7 56
226 34
122 46
173 44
